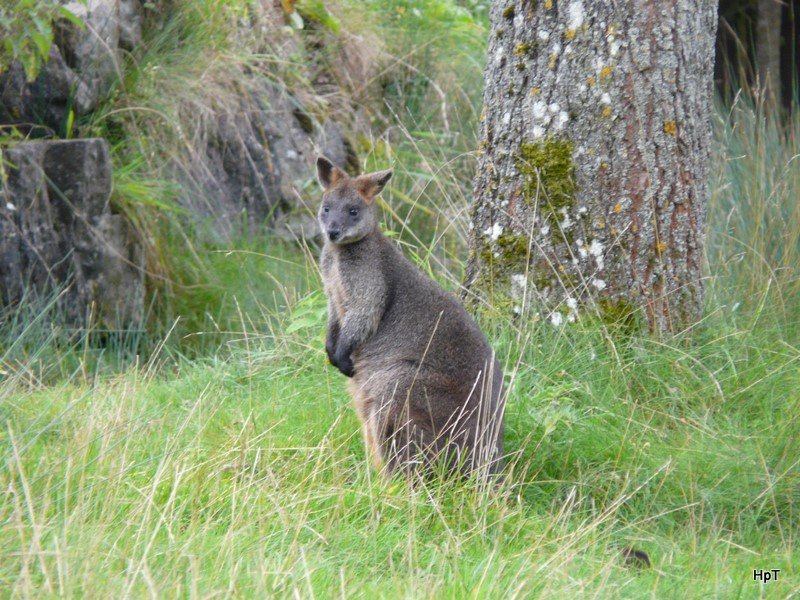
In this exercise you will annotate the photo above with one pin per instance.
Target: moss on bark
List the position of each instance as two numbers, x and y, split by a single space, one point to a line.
549 175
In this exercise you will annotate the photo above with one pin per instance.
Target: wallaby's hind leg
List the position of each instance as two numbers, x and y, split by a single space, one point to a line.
372 445
417 423
391 440
416 450
404 447
460 442
369 427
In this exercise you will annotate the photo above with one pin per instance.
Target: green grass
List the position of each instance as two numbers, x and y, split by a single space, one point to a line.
216 453
247 476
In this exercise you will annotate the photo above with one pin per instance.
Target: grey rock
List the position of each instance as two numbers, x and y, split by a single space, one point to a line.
332 143
250 161
255 165
92 51
230 183
59 235
297 227
47 100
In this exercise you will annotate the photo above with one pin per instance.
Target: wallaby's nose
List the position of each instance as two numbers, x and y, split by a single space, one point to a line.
334 234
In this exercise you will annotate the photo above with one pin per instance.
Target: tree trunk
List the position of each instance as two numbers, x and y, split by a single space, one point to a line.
768 47
591 189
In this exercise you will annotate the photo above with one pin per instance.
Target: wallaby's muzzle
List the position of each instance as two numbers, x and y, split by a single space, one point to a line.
333 234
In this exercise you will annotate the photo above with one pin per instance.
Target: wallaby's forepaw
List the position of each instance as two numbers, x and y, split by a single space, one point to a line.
346 367
342 361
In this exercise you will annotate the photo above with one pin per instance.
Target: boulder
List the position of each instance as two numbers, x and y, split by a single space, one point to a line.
58 234
93 52
129 18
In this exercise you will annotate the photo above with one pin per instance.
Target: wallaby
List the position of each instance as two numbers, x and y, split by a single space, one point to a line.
425 382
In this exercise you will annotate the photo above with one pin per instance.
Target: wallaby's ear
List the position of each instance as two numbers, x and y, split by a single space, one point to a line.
371 184
327 173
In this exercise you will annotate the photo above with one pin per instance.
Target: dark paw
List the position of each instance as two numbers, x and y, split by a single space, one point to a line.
346 367
344 363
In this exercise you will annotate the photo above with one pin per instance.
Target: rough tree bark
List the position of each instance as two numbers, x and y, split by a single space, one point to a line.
591 188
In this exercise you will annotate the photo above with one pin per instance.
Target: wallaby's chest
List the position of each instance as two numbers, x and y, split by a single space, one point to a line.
344 280
336 290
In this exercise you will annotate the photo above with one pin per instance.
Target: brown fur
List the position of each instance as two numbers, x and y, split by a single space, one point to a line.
425 382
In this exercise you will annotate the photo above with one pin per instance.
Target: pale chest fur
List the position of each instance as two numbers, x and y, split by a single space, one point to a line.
335 288
336 291
353 282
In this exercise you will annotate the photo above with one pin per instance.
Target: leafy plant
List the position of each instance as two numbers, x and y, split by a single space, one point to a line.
27 33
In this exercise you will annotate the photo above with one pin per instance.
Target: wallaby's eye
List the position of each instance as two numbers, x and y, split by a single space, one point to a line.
326 208
353 212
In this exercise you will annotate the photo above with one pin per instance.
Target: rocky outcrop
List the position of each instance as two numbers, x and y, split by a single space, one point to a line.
245 161
58 234
254 165
250 157
42 107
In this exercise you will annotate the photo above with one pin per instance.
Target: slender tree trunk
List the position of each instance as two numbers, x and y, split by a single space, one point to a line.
768 46
592 181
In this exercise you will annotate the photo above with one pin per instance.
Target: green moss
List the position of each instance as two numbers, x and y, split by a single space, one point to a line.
513 250
619 313
542 281
512 253
508 12
548 168
486 254
491 294
549 175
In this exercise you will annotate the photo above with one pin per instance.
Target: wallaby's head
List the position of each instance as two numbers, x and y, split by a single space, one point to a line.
348 211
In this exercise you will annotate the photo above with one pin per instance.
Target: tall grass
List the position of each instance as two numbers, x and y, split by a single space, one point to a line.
247 476
754 216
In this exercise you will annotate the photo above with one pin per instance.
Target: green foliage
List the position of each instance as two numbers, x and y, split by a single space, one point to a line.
434 45
26 31
316 10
